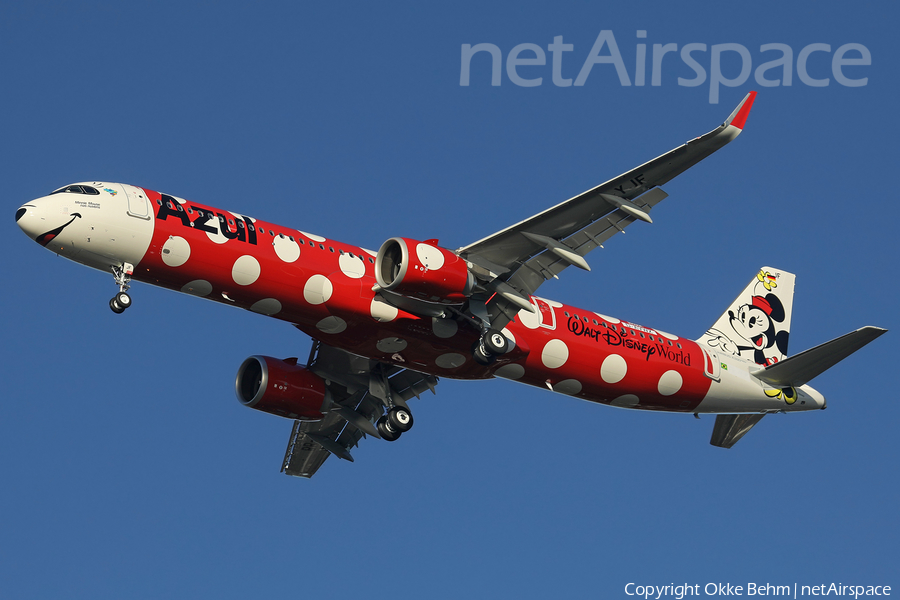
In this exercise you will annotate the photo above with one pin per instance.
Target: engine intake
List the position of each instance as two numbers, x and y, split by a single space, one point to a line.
281 388
423 270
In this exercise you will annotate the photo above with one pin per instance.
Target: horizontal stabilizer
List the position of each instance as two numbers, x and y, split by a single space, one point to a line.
801 368
730 428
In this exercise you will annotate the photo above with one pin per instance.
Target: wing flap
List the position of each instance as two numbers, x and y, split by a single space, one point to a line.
546 266
304 455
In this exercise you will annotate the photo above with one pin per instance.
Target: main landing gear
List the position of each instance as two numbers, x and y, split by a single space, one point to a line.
121 301
489 346
396 421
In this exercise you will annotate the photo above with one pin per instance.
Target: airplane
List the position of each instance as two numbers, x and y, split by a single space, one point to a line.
386 325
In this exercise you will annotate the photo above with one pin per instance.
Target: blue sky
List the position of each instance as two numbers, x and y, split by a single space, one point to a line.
129 468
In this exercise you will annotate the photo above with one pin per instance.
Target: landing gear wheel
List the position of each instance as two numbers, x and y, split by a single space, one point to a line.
123 300
494 342
481 356
115 307
400 419
386 432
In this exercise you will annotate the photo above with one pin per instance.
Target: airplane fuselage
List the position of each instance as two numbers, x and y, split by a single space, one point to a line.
328 290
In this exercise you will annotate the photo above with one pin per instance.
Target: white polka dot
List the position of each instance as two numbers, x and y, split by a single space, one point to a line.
555 354
531 320
179 200
553 303
352 266
245 270
608 319
626 401
286 249
391 345
510 371
444 328
430 257
266 306
613 369
670 383
667 335
369 252
510 337
198 287
331 325
318 289
568 386
382 311
451 360
213 223
313 237
176 251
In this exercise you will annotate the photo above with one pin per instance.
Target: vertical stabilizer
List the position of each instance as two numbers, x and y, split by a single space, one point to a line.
757 324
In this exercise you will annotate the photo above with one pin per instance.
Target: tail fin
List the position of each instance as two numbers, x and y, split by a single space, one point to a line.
757 324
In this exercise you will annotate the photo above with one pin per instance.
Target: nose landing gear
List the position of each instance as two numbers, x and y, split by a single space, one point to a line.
122 275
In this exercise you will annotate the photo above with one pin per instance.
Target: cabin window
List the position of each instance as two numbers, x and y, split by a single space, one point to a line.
330 248
372 260
281 235
679 345
290 237
642 334
250 227
565 312
158 202
670 342
241 224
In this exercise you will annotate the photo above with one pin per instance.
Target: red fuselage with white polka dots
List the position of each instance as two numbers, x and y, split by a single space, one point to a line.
325 288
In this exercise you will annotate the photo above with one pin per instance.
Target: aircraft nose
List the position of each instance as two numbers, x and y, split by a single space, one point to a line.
28 220
43 219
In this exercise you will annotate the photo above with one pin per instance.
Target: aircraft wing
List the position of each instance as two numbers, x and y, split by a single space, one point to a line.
360 389
523 256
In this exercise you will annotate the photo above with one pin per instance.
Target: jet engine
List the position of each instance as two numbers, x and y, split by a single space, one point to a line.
281 387
423 270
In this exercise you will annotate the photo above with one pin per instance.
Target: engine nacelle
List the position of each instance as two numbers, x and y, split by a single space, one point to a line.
423 270
282 388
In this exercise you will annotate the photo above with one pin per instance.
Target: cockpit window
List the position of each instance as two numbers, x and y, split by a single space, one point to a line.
77 189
